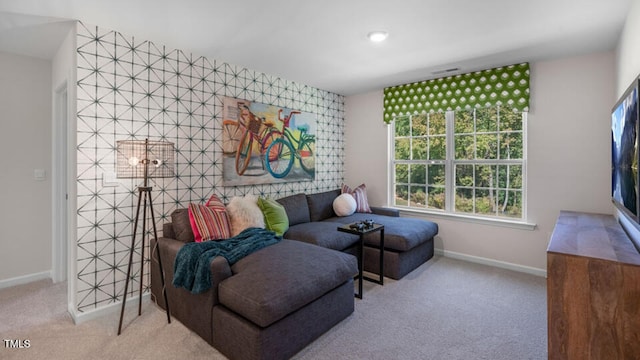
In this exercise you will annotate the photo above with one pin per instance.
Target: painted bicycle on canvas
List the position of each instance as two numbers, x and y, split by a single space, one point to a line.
246 134
264 143
289 148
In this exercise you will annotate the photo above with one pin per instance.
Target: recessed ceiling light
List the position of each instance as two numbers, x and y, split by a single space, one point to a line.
378 36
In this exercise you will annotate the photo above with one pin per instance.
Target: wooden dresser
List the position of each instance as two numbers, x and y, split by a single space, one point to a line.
593 289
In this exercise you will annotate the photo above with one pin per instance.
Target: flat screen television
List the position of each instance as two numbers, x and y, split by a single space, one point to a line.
625 189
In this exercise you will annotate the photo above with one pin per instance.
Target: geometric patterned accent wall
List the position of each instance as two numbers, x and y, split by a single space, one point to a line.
130 88
507 86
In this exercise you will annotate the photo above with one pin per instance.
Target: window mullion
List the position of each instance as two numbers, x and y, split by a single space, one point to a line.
391 173
498 133
525 146
449 168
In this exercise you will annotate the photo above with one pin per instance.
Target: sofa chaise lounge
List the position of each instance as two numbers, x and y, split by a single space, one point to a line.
408 241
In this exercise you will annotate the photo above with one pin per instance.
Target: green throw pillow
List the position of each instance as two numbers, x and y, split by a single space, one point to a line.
275 216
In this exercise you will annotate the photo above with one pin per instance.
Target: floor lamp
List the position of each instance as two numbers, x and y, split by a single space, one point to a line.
144 159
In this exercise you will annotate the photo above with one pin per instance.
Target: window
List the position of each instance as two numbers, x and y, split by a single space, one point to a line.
469 162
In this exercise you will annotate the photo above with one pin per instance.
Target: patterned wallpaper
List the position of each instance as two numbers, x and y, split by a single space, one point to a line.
130 88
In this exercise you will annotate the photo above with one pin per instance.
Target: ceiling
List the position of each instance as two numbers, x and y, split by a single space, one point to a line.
324 44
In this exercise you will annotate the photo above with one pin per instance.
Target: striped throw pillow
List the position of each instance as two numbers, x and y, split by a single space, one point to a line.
210 221
360 194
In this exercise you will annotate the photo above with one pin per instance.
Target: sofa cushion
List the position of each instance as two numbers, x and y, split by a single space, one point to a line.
181 225
360 194
280 279
344 205
296 207
321 205
322 233
244 213
208 223
275 216
400 233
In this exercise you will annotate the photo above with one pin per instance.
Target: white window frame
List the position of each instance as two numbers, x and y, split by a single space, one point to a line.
448 212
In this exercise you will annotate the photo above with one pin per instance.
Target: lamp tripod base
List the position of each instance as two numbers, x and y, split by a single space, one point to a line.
144 192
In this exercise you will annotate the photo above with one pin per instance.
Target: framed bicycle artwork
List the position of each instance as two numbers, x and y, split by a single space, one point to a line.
265 144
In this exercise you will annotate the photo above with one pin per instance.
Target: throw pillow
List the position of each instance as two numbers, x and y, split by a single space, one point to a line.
244 213
214 202
360 194
344 205
275 216
210 221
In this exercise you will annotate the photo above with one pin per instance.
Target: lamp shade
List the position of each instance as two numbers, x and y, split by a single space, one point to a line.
133 156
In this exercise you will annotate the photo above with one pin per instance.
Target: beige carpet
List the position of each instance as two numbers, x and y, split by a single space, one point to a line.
446 309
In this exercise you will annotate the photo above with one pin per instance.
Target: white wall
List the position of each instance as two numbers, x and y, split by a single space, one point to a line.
628 68
568 164
628 51
63 254
25 145
366 147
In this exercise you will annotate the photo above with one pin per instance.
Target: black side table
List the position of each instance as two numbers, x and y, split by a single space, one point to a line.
366 230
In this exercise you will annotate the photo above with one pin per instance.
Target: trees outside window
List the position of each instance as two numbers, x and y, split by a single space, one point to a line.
469 161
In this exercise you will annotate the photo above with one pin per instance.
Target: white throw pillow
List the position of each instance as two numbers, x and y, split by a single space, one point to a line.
344 205
244 213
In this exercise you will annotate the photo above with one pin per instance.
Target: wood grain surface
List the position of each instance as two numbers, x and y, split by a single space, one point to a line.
593 289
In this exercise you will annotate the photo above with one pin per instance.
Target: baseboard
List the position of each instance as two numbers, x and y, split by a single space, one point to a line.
80 317
492 262
25 279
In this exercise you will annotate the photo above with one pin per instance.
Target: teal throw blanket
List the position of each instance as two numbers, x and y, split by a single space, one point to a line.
192 267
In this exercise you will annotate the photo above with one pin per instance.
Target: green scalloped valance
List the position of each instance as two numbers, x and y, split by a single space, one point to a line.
505 86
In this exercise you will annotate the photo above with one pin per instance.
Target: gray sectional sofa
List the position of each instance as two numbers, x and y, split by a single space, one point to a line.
275 301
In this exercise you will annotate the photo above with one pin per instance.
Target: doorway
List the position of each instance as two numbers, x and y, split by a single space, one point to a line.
60 184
